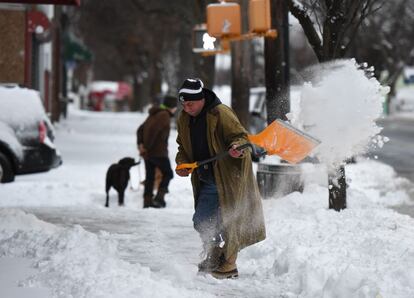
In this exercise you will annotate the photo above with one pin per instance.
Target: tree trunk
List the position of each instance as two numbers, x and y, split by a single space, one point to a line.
240 83
277 65
241 72
56 66
155 81
337 189
205 68
185 67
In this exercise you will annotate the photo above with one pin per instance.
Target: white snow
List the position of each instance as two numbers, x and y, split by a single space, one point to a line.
23 106
101 86
8 136
408 72
340 109
403 102
61 241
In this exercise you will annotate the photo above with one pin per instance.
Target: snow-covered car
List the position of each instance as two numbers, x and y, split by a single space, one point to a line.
26 134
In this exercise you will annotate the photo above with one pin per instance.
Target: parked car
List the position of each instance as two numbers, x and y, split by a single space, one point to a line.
26 134
403 100
257 109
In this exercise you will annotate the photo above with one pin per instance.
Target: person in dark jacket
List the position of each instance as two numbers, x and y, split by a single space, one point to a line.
228 210
152 139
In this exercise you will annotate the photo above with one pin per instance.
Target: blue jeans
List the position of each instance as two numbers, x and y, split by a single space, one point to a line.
207 212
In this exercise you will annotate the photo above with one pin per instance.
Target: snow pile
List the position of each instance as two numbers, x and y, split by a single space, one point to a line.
386 189
339 108
76 263
311 251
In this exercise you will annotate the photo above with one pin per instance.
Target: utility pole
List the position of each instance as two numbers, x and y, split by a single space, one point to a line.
277 64
56 64
241 71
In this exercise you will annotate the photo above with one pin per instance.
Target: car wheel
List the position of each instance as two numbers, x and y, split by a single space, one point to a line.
6 169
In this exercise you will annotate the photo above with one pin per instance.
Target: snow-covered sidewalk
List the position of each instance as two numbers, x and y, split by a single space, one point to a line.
57 239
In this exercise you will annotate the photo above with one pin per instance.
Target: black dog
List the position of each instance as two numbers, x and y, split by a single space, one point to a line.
117 177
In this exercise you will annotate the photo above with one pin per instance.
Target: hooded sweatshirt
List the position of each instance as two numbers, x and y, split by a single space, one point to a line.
198 135
154 132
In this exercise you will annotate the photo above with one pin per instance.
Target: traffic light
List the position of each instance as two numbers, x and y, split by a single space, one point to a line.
259 16
223 19
224 26
202 41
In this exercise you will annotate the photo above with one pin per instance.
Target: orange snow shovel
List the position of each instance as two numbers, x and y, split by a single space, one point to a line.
286 141
278 138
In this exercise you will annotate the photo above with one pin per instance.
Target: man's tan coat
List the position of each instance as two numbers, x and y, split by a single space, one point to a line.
239 198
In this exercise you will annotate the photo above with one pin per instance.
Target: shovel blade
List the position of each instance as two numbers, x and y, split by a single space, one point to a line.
286 141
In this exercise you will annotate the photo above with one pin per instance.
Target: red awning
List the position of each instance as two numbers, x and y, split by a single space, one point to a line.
56 2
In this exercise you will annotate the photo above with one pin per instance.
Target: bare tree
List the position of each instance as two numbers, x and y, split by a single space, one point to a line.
241 71
330 27
145 41
386 41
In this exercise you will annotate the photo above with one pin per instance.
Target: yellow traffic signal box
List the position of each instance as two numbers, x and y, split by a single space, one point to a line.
223 19
259 16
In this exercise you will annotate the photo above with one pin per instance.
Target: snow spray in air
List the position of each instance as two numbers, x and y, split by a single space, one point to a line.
339 105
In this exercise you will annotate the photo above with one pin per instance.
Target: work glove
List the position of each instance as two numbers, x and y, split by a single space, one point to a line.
234 152
182 172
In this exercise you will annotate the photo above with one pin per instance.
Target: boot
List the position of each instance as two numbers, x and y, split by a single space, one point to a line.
147 201
159 200
213 260
227 269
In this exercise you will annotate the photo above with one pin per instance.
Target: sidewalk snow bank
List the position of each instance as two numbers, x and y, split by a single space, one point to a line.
75 263
311 251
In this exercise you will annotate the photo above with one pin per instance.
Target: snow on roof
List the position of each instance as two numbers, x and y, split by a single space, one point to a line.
20 106
406 94
101 86
408 71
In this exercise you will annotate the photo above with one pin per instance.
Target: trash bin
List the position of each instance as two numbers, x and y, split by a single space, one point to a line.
278 180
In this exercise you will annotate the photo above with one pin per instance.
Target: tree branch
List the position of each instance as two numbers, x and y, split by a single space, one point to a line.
308 28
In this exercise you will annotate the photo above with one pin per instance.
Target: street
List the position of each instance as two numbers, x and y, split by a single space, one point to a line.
398 152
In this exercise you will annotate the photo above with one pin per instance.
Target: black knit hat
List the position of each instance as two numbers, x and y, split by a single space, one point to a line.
191 89
170 101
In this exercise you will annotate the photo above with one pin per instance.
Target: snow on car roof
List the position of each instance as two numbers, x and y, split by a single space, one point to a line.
408 71
20 106
406 93
100 86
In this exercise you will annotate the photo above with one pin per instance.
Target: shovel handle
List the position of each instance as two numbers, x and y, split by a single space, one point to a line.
189 166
